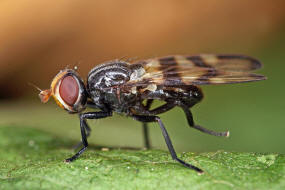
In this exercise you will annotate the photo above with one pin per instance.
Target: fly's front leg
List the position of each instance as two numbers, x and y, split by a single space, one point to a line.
83 124
191 123
86 126
144 118
87 131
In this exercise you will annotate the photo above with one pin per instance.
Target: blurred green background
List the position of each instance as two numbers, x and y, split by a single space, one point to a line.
38 38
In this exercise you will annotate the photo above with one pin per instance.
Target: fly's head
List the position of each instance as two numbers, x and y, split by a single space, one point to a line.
68 91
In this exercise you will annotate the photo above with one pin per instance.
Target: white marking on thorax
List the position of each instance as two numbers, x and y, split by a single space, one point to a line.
151 87
137 74
134 90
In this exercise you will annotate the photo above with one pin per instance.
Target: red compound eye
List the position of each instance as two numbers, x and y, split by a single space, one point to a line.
69 90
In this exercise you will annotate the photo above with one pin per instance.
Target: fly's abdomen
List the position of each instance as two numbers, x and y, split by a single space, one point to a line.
188 95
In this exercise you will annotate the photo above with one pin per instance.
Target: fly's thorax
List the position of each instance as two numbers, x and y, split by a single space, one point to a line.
108 75
106 82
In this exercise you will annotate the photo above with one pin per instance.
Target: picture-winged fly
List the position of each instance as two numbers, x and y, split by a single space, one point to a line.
130 89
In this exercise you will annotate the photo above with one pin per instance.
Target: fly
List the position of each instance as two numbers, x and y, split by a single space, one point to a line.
123 87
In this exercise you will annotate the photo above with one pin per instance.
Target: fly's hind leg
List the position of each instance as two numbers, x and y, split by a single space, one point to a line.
147 118
191 123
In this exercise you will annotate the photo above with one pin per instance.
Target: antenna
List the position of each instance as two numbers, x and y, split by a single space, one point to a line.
36 87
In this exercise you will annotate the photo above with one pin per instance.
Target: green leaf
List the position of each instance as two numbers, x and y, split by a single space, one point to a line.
33 159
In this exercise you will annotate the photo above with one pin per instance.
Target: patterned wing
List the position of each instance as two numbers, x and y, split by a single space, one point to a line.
197 70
